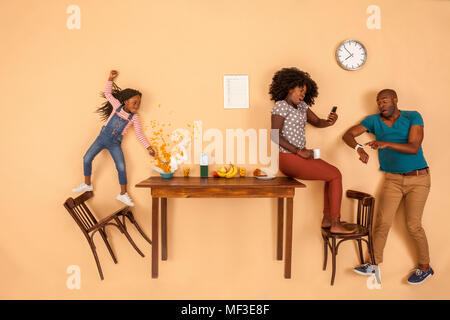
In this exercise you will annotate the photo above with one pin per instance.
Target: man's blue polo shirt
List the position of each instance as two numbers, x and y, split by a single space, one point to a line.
391 160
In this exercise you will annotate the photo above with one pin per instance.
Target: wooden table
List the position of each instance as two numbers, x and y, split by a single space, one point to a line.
245 187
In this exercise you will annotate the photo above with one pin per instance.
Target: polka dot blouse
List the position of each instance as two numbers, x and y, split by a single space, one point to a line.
294 123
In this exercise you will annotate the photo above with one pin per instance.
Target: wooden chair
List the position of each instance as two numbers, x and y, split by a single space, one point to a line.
89 224
363 224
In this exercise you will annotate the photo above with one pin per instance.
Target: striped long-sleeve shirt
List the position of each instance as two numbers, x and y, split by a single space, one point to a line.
134 121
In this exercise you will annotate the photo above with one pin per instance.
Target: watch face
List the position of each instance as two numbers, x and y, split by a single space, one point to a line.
351 55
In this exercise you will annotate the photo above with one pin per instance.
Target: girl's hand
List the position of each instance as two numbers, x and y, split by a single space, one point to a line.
151 151
113 74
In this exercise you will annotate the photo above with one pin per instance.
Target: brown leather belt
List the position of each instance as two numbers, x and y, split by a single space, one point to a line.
416 172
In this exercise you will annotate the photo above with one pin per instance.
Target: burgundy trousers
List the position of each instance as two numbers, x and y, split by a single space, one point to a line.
316 169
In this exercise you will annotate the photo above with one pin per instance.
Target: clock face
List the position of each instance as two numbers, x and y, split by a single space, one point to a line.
351 55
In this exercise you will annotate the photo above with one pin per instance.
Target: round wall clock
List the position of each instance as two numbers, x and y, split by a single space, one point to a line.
351 54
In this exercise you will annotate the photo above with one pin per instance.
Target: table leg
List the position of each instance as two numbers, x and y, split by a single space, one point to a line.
164 228
155 237
288 244
280 229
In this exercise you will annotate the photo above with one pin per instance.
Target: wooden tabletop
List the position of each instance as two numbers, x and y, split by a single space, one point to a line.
240 182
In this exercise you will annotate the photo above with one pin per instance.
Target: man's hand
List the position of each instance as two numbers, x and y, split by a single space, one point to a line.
332 118
363 156
377 144
113 74
151 151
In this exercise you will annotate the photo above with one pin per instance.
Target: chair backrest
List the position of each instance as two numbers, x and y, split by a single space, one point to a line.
366 204
80 212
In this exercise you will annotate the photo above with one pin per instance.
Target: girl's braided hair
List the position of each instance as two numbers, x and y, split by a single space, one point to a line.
121 95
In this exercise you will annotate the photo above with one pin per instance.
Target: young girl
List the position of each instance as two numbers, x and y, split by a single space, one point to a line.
120 113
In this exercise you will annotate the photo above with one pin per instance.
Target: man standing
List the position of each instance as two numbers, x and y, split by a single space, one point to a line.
399 136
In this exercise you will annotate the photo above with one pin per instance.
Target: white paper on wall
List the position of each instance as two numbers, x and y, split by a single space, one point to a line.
235 91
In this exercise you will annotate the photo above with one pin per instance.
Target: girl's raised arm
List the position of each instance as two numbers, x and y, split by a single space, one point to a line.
108 90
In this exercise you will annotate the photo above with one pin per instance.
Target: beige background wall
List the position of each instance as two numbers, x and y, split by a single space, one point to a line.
176 53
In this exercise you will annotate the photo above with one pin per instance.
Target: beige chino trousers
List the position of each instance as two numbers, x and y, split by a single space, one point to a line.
413 190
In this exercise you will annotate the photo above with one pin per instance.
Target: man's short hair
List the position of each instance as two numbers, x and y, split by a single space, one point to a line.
388 91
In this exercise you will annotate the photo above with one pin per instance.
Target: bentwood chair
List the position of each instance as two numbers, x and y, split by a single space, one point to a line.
363 232
89 225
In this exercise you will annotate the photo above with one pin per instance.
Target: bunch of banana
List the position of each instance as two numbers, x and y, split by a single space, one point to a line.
221 173
232 171
224 173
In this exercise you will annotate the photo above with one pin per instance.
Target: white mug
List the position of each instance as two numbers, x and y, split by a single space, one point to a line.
316 153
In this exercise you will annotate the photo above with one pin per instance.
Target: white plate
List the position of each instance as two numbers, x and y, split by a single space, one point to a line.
265 178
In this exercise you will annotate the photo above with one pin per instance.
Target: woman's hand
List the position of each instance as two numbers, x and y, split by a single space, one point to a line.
332 118
306 154
113 74
317 122
151 151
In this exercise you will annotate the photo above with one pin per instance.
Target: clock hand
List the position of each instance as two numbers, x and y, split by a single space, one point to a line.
346 50
351 55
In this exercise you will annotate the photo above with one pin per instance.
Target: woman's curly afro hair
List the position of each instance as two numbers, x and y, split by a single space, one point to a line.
289 78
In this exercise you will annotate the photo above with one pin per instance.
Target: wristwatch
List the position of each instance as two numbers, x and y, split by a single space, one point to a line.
358 146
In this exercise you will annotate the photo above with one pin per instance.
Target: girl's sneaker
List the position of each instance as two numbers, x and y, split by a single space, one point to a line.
420 276
125 199
83 188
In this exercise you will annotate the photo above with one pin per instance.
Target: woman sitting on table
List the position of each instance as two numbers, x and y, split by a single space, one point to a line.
293 92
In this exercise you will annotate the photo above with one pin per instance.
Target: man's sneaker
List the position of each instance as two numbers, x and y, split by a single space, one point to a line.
82 188
366 269
125 199
420 276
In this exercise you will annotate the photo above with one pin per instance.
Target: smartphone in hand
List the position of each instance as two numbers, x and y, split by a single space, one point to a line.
331 116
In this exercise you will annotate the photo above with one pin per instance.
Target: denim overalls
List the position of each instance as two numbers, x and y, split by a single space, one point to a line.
110 137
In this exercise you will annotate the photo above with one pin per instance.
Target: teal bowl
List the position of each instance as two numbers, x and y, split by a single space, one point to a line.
166 175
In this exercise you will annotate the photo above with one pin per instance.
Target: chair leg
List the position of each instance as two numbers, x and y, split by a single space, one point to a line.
325 252
128 236
97 261
361 256
105 239
333 255
124 222
130 216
